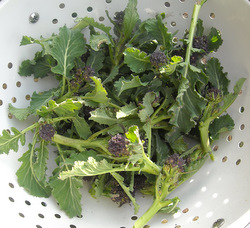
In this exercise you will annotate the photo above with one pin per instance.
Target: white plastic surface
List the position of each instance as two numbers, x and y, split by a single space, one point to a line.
219 190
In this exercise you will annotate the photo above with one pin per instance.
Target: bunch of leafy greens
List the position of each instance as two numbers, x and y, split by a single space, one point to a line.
125 104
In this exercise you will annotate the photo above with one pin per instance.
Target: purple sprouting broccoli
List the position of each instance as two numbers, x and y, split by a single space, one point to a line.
47 131
118 195
118 146
88 72
175 160
214 94
118 18
199 42
158 59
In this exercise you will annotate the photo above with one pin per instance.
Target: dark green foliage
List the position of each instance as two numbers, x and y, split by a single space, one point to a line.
122 111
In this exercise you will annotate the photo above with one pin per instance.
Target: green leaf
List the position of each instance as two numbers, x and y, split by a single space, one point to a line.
127 110
68 45
147 110
43 66
95 60
65 108
133 134
103 116
91 167
113 73
123 124
27 178
231 97
40 66
216 76
82 156
157 30
98 186
199 28
19 113
26 68
67 193
131 18
40 99
99 94
187 108
40 164
123 84
26 40
179 146
195 77
97 40
222 124
10 141
92 22
45 43
214 40
162 149
138 61
82 127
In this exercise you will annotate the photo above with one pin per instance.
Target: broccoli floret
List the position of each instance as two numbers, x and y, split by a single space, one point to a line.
88 72
118 146
140 182
118 195
158 59
118 22
46 132
199 42
175 160
214 94
77 80
118 18
81 75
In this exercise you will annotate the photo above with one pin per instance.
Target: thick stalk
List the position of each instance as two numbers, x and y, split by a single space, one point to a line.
204 137
150 213
150 167
79 144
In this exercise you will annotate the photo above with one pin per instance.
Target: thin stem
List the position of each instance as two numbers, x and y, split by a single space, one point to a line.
96 134
31 127
61 155
149 135
159 109
159 119
194 20
114 105
111 55
34 141
63 85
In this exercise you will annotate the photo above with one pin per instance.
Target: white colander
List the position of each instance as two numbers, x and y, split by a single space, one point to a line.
220 190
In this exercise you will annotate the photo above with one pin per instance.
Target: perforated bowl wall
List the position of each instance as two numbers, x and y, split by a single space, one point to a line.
219 190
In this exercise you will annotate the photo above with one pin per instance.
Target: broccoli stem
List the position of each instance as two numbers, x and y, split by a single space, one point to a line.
80 144
29 128
204 137
150 213
150 167
156 206
196 10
